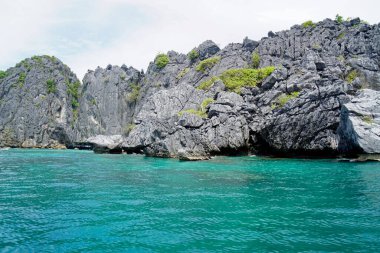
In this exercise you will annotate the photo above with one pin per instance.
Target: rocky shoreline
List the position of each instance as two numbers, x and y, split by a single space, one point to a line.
313 90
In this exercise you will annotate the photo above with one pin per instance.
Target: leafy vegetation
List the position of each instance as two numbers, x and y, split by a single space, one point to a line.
341 58
51 86
37 59
308 23
235 79
134 94
284 98
3 74
183 73
255 60
352 75
129 128
339 18
206 85
207 64
53 59
73 90
7 135
200 112
341 36
316 46
21 79
195 112
75 117
367 119
193 55
161 61
93 101
205 103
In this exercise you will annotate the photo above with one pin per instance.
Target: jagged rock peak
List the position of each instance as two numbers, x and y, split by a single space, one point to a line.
39 100
207 49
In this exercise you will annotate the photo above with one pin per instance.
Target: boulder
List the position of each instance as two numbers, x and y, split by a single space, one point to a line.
192 155
106 143
360 124
207 49
190 120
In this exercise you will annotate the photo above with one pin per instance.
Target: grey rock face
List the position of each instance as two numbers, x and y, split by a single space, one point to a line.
191 155
190 120
37 108
207 49
311 104
319 110
360 124
108 101
250 44
295 111
106 143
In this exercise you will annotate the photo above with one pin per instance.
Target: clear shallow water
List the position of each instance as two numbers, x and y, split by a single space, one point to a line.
76 201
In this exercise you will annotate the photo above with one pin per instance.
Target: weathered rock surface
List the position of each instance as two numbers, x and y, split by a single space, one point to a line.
295 111
106 143
107 102
192 155
360 124
321 99
37 109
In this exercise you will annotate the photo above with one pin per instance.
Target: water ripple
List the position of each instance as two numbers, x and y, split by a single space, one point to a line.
76 201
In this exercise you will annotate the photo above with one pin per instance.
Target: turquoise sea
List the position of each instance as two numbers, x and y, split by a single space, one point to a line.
77 201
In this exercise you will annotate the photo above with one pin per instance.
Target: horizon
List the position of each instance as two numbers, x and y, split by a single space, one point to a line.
109 32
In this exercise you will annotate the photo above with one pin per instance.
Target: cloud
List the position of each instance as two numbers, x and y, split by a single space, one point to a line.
24 24
86 34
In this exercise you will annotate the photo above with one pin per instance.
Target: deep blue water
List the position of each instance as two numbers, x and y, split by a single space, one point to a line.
76 201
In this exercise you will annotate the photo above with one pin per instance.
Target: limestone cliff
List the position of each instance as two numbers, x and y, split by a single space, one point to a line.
38 104
310 90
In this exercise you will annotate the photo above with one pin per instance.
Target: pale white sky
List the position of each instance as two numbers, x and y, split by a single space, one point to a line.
85 34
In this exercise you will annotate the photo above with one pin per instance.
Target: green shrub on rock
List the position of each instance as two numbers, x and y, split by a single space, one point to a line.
183 73
339 18
37 59
235 79
129 128
161 61
195 112
21 79
206 85
341 36
205 103
368 119
51 86
75 117
134 94
352 75
193 55
73 90
255 60
284 98
207 64
3 74
308 23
